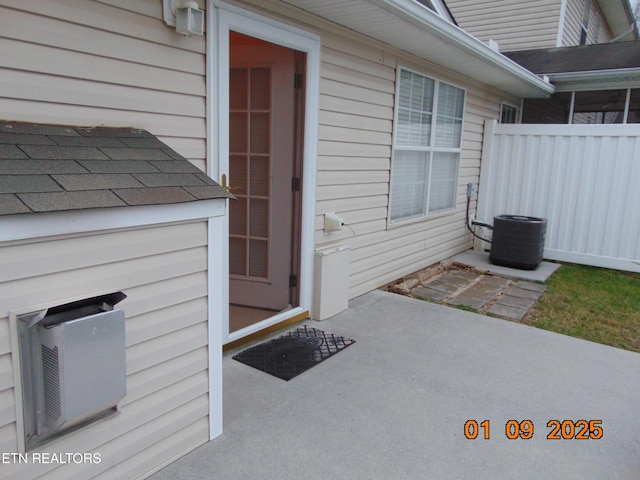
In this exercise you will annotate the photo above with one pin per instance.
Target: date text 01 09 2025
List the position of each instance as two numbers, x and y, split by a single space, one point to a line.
559 430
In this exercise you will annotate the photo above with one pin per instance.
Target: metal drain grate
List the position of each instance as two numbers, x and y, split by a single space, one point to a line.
294 352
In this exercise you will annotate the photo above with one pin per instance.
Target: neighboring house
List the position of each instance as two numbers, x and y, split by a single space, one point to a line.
516 25
301 108
583 46
595 84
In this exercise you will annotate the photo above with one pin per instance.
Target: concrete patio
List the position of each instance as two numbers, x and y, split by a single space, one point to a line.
394 404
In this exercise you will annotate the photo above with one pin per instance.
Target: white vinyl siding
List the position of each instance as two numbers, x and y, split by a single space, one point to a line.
514 24
111 63
357 93
114 63
163 270
426 148
597 31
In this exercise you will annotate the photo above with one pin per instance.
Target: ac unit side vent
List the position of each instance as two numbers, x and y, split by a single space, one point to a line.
51 381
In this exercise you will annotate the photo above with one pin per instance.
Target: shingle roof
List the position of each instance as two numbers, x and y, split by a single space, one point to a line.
45 168
601 56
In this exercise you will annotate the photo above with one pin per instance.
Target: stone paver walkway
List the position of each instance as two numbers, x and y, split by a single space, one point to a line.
462 286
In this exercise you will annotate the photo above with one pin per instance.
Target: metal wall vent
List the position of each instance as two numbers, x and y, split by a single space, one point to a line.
51 382
73 365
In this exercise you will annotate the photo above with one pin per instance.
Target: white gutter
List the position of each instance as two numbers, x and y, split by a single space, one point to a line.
425 18
601 79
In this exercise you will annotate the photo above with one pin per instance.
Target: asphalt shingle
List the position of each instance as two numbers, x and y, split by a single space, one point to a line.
11 152
155 196
599 56
133 153
11 205
59 152
28 184
35 167
169 179
97 181
120 166
37 129
51 202
45 168
175 166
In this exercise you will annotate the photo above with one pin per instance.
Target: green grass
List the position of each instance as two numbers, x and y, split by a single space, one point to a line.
592 303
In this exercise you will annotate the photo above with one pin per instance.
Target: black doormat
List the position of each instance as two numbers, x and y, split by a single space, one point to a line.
294 352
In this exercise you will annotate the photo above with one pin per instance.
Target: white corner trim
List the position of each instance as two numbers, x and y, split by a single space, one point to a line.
38 225
218 284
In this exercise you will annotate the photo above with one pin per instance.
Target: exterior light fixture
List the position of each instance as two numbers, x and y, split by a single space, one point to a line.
185 15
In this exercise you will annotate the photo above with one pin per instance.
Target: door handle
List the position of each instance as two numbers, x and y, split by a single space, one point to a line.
224 185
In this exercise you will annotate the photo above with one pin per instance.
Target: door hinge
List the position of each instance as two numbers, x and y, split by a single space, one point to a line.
297 80
293 281
295 184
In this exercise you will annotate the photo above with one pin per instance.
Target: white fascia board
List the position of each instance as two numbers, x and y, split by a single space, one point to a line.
426 19
596 79
38 225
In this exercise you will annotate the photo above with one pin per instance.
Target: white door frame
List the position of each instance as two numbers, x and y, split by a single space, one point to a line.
222 18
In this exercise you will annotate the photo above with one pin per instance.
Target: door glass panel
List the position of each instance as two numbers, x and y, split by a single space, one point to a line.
260 132
259 176
250 171
238 78
238 216
258 258
260 88
238 129
239 174
237 256
259 218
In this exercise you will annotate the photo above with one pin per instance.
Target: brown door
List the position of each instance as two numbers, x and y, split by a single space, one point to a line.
261 167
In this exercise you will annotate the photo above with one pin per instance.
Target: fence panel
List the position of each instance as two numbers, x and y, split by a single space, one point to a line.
584 179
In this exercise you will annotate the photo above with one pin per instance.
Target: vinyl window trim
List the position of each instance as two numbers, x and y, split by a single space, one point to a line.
430 150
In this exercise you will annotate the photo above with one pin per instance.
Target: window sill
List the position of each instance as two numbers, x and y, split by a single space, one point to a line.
420 219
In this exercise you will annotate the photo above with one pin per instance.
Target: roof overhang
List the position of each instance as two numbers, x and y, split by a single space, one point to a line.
596 80
619 18
411 27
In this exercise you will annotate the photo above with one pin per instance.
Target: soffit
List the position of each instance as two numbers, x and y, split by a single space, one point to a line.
415 29
619 18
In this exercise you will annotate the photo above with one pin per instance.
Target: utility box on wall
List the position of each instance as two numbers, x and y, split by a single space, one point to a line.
331 282
73 365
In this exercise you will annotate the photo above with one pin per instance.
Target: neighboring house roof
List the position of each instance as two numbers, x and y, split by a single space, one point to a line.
594 66
414 28
600 56
46 168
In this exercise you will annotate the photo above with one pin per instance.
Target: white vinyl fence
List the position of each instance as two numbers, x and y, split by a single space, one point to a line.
584 179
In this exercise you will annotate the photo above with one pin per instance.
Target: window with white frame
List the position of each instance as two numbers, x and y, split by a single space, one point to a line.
427 146
508 113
